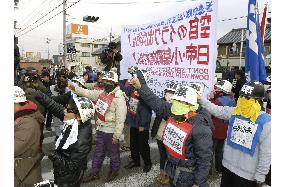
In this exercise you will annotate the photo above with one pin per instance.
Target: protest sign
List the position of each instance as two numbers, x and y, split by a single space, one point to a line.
182 47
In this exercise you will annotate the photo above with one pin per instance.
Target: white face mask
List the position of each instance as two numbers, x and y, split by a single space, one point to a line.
168 97
73 135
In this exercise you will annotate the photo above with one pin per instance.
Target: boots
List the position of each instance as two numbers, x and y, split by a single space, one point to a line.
90 178
111 176
163 178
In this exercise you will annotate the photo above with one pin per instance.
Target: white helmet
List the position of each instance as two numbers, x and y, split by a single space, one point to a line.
111 76
86 108
19 95
199 87
172 87
225 86
79 80
186 94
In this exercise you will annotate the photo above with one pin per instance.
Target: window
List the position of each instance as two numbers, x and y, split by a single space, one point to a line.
85 45
85 54
234 51
96 45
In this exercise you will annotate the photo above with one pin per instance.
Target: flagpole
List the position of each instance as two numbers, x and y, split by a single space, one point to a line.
256 12
241 50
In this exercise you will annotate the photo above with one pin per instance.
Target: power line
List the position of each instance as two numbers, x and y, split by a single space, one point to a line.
49 18
21 30
230 19
32 14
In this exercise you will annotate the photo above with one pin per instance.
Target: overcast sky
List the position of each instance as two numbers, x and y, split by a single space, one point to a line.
111 16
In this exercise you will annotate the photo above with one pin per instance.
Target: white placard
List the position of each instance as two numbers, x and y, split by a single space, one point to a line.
174 137
243 132
180 48
133 104
101 107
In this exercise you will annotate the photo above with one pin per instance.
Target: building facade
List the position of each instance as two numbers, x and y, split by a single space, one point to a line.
81 50
229 47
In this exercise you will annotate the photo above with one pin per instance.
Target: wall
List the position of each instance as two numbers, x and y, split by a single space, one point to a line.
35 65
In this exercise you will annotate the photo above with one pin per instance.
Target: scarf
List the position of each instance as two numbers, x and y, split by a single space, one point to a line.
247 108
179 108
69 134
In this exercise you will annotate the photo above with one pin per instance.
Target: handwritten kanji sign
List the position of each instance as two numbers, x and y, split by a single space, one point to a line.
181 46
243 132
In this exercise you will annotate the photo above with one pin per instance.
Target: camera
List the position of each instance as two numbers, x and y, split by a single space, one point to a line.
31 77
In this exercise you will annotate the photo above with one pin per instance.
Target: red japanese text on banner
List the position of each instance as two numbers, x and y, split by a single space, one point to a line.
180 47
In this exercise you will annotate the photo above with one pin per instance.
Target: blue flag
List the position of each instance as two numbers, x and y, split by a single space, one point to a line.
254 66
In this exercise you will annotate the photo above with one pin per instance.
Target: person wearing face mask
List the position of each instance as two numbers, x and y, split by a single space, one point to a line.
187 135
247 149
98 84
221 97
111 112
75 140
138 118
157 132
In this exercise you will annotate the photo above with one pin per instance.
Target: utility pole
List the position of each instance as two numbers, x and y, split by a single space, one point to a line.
22 52
241 49
110 35
48 41
64 32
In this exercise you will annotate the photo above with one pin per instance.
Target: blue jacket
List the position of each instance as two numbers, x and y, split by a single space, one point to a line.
143 117
144 113
198 145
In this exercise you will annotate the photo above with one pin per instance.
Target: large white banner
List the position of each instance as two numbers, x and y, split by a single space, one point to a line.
182 47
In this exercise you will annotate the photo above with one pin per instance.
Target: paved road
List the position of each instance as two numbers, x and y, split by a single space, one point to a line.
129 178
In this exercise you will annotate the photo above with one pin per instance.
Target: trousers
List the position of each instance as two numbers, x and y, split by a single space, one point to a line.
218 153
104 147
139 146
163 154
229 179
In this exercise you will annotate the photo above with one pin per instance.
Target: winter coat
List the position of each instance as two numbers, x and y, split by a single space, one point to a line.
116 114
68 163
198 145
31 97
157 127
221 126
142 117
27 155
244 165
239 85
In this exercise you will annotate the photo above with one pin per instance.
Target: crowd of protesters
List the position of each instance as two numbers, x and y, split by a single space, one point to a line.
228 133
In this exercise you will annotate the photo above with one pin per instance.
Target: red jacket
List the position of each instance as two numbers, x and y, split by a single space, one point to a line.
221 127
